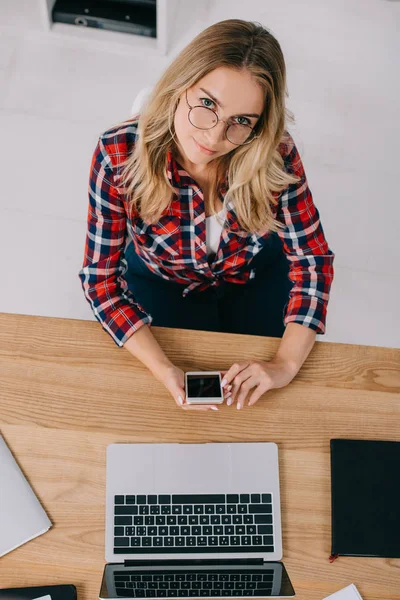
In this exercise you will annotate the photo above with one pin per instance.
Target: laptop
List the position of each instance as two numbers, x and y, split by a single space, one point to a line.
193 520
22 517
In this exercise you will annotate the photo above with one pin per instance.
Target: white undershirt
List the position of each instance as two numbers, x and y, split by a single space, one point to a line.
214 225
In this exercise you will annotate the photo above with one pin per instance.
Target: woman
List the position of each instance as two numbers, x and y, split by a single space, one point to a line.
200 215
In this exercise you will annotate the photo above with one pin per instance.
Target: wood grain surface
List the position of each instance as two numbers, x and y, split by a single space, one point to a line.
67 391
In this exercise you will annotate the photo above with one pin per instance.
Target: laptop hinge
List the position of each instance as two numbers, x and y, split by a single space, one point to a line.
193 562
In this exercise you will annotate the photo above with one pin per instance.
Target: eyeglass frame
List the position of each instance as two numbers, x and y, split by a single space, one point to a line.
218 120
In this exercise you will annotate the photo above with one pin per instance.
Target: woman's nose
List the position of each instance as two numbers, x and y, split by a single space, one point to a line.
217 134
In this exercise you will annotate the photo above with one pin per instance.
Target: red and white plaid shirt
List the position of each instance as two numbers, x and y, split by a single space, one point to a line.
175 247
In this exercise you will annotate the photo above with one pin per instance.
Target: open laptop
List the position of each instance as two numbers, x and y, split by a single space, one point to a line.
191 520
22 517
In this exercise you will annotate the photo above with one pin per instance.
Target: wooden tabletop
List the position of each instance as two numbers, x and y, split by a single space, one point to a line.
67 392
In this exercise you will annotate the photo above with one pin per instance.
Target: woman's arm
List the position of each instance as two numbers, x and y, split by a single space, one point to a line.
296 344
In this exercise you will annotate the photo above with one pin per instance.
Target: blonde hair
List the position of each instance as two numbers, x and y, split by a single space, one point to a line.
256 170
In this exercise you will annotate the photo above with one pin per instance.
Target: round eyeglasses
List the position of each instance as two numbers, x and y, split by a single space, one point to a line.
202 117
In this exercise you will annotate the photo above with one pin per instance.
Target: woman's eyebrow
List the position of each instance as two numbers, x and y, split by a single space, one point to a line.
221 106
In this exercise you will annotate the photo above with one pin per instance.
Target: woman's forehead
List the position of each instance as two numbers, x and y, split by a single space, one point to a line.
236 91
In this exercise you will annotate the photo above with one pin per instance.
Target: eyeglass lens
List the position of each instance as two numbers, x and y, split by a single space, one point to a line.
204 118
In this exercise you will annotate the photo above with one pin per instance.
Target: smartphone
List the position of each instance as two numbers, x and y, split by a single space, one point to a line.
203 387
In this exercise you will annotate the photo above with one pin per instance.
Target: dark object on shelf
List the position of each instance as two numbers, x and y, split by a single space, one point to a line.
128 16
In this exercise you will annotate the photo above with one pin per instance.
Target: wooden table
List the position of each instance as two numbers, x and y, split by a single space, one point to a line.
67 392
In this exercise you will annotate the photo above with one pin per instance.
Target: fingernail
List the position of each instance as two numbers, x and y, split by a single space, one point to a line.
180 400
214 408
239 407
229 402
224 382
229 388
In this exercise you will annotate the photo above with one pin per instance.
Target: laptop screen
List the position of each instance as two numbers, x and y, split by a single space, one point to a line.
269 580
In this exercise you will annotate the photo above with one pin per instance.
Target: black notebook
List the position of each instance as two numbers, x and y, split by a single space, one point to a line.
365 480
56 592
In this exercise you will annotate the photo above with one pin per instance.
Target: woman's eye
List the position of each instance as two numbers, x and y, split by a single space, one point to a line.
207 100
243 121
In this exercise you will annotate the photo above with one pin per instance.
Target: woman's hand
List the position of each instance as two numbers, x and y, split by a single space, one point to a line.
257 376
174 380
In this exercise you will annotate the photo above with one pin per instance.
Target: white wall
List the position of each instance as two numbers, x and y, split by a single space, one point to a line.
57 95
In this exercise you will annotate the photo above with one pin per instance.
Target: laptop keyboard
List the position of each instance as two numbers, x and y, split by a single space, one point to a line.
200 583
183 523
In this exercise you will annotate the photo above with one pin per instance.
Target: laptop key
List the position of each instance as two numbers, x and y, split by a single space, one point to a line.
141 499
152 531
261 519
215 520
209 509
185 530
168 541
139 520
163 530
146 541
255 498
125 510
226 520
237 519
256 540
123 520
198 509
212 540
196 530
229 530
204 520
260 508
160 520
151 499
182 520
232 498
179 541
149 520
177 510
223 540
157 541
268 540
164 499
191 541
202 540
264 529
119 499
251 529
242 509
207 530
244 498
165 510
144 510
135 541
154 509
130 499
240 530
119 531
246 540
193 520
187 509
121 541
220 509
231 509
235 540
218 530
141 531
129 531
171 520
174 530
266 498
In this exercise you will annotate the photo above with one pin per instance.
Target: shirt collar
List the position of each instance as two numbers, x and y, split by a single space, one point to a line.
175 178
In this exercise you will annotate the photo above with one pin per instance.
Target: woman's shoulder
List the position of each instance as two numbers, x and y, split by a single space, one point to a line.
290 154
119 140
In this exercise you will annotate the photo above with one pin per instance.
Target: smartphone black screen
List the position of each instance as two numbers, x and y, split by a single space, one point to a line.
203 386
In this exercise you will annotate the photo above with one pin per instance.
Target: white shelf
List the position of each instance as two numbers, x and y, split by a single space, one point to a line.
167 12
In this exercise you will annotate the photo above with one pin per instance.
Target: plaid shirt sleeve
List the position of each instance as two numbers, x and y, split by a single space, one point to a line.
102 275
311 260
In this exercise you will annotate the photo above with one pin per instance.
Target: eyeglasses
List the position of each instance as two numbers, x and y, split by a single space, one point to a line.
202 117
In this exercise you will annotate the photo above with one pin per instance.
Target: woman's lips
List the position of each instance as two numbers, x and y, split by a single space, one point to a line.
205 150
